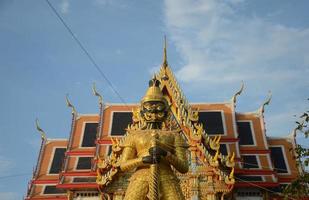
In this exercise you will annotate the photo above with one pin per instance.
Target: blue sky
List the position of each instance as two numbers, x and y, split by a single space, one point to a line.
212 47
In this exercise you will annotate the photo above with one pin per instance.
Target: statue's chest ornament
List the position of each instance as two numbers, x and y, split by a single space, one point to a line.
143 140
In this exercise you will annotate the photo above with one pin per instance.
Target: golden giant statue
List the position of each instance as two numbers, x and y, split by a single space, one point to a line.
153 152
150 162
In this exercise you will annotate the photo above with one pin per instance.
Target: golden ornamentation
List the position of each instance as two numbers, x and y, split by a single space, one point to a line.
167 122
193 115
215 143
199 129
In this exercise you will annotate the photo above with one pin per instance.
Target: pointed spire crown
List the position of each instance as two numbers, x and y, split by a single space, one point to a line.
164 64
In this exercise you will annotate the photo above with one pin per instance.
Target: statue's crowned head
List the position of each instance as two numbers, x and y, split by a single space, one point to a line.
154 105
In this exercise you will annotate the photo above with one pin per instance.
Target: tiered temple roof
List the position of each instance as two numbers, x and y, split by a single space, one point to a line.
229 146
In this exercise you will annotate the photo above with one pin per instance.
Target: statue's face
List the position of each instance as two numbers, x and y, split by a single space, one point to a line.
154 111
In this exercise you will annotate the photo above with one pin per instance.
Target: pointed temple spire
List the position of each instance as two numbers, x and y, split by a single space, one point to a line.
164 64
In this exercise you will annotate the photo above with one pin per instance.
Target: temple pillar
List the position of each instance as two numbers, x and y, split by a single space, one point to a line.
194 177
211 195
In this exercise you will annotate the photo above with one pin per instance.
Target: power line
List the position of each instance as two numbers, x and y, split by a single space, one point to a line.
266 189
86 52
264 167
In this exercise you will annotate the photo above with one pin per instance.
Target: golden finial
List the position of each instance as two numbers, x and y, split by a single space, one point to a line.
95 93
41 131
231 176
69 104
238 92
218 140
164 53
232 157
216 156
266 102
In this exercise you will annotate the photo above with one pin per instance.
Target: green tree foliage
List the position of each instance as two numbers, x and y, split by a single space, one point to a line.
299 188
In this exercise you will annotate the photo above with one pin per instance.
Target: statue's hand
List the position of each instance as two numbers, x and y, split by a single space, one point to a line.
158 151
151 159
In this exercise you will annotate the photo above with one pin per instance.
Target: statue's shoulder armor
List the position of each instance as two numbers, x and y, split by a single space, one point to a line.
129 140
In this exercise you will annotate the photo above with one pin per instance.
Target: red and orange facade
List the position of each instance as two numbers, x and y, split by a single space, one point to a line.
67 168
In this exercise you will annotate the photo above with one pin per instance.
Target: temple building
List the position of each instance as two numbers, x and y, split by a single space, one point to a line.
230 155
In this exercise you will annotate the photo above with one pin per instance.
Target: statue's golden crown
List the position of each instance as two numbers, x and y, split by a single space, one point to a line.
154 92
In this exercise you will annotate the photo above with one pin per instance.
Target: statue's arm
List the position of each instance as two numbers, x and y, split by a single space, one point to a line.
179 158
128 159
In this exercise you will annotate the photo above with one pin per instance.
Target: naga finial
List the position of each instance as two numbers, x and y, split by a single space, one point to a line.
95 93
69 104
41 131
238 92
267 101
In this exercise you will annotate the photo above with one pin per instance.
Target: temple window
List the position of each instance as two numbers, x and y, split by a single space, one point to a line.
51 189
248 178
57 160
279 160
120 121
84 180
250 162
90 133
245 133
223 149
213 122
84 163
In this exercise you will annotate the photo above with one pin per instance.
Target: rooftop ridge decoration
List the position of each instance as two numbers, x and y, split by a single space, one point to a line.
70 105
266 102
234 97
40 130
95 93
187 117
101 120
43 142
69 146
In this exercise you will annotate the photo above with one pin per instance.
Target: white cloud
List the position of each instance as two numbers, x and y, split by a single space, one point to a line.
114 3
64 6
154 70
214 42
221 46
